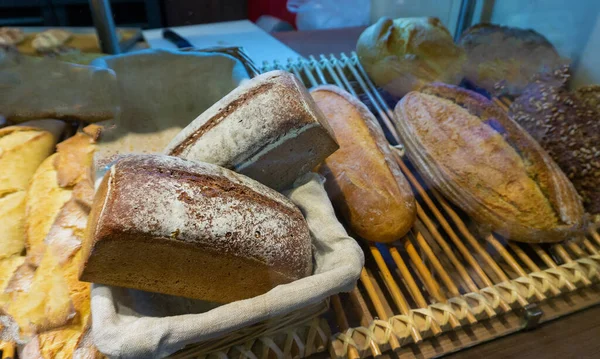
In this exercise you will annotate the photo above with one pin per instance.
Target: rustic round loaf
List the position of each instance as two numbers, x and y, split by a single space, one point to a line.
404 54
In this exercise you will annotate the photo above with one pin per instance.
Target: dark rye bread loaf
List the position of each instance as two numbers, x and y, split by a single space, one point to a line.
197 230
567 125
268 129
469 149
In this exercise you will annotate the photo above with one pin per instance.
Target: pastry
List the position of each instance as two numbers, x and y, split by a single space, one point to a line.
471 151
192 229
268 129
50 40
404 54
362 178
566 125
502 59
11 36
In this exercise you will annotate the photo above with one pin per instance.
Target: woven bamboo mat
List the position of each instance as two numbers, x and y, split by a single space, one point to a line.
445 286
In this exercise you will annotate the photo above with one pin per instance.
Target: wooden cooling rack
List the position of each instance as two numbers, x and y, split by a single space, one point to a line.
445 286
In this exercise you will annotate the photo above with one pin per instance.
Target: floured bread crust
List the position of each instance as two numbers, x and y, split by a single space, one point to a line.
268 129
197 230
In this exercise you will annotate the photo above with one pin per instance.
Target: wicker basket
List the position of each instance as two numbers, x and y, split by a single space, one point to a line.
246 339
443 287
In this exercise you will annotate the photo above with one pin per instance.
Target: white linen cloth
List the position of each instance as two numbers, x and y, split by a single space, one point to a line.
129 323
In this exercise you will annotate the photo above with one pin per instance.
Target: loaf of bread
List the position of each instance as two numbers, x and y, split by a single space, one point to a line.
566 125
364 182
168 225
268 129
7 267
45 198
12 219
46 303
23 148
404 54
44 296
469 149
502 60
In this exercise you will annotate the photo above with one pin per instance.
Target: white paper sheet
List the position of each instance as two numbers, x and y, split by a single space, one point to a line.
258 44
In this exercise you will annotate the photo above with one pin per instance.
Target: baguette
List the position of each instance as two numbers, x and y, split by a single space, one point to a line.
469 149
61 176
12 216
364 183
22 150
45 198
164 224
44 295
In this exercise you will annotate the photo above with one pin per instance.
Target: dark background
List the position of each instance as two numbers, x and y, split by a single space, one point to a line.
146 14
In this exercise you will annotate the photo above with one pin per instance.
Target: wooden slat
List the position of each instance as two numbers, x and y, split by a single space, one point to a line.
379 303
430 283
342 323
359 305
511 261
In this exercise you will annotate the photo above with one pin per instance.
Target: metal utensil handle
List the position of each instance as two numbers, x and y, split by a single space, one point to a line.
105 26
176 39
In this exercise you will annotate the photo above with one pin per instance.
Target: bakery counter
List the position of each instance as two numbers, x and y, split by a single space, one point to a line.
570 336
354 206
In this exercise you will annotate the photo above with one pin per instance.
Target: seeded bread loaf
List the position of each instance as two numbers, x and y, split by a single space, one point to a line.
168 225
481 160
363 181
268 129
566 125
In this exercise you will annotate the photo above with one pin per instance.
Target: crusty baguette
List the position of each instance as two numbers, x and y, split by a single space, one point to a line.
469 149
46 304
153 215
7 267
12 217
22 150
44 200
363 180
58 178
44 295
